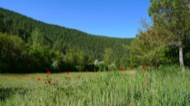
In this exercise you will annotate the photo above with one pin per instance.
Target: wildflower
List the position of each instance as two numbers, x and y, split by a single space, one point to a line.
69 78
49 82
67 72
144 67
38 79
121 68
48 72
131 66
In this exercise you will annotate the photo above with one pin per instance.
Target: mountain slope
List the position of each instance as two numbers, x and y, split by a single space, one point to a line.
60 37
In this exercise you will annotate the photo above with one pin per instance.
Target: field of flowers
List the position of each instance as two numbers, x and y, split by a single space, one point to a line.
138 87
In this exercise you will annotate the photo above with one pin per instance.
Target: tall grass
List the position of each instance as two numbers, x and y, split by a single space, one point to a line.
154 88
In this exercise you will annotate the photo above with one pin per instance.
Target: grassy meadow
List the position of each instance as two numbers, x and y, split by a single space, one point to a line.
161 87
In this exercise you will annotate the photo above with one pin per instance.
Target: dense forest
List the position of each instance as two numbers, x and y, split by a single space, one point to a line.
28 45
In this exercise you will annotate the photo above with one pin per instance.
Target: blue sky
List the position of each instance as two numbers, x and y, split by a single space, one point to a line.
114 18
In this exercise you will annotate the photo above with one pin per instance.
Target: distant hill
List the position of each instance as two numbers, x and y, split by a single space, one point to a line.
58 37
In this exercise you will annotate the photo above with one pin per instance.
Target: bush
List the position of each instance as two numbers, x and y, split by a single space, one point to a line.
102 67
91 67
112 67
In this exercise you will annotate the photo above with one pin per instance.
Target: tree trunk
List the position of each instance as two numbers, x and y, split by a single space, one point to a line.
181 61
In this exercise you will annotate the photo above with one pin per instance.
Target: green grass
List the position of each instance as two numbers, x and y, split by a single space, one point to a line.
142 88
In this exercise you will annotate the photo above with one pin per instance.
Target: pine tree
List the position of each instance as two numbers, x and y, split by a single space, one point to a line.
172 15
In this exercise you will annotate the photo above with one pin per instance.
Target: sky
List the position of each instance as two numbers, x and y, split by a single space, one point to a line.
113 18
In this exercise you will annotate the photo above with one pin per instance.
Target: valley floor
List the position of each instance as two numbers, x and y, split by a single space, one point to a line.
118 88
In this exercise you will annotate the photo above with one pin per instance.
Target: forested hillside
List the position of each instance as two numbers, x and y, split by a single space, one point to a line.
28 45
16 24
38 37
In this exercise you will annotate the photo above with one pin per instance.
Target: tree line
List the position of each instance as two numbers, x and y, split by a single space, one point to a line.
28 45
167 40
33 46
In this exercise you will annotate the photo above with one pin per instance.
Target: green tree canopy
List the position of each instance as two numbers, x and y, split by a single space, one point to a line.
172 15
109 57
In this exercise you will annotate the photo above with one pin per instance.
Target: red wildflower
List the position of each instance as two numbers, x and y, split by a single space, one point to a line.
38 79
67 72
69 78
144 67
49 82
121 68
131 66
48 72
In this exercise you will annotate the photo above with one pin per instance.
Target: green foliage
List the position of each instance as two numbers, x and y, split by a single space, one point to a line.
36 38
108 56
12 52
53 47
91 67
171 15
57 60
18 57
80 68
60 37
76 57
102 67
112 67
149 47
